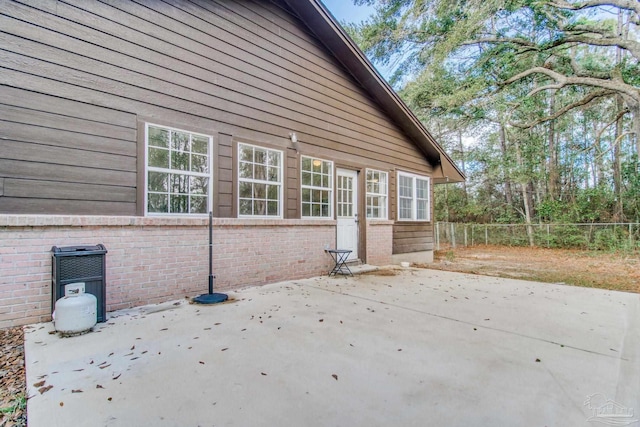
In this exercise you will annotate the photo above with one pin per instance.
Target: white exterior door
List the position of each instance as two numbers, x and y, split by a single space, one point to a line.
347 211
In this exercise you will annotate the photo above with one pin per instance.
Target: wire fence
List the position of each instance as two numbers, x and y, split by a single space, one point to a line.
591 236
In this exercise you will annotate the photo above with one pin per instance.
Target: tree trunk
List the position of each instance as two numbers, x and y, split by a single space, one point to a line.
552 164
461 145
525 197
598 176
618 212
507 177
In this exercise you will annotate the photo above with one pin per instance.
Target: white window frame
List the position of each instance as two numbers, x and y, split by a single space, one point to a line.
279 183
414 198
384 195
312 187
170 171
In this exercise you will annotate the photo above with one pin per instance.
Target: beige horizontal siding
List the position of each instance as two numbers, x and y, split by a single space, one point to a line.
247 70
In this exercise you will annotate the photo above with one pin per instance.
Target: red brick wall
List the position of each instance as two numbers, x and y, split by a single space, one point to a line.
152 260
379 242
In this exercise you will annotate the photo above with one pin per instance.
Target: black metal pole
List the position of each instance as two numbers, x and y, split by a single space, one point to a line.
211 297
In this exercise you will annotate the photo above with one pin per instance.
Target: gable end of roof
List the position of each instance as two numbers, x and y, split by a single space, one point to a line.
322 23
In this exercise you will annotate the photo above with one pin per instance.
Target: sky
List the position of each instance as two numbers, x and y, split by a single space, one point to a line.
345 10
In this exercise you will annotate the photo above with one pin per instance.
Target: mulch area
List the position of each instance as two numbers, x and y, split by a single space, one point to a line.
13 392
618 271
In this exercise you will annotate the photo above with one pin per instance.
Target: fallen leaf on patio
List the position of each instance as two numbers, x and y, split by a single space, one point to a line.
335 377
76 391
133 347
99 386
487 319
218 323
225 349
321 320
109 399
262 373
39 383
116 377
52 332
537 360
45 389
207 329
61 403
164 329
201 362
110 354
399 349
105 366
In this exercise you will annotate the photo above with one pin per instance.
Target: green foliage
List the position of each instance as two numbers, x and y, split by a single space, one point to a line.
453 58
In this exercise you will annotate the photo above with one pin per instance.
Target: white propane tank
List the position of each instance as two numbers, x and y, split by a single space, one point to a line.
76 313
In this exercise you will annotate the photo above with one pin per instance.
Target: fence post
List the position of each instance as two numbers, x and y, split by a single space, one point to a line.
437 236
486 234
630 237
548 237
465 236
453 235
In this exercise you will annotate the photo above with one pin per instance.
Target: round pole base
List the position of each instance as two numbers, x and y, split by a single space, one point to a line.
213 298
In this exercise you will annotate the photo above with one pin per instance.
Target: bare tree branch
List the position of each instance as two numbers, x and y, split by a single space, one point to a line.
562 80
632 46
632 5
584 101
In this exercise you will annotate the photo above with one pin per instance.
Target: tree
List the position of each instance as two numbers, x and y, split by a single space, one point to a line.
548 88
557 44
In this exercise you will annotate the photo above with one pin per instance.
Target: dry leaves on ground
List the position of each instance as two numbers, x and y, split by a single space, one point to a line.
13 400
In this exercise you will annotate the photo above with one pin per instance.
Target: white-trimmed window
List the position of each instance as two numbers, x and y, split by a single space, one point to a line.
259 181
178 176
413 197
317 187
377 194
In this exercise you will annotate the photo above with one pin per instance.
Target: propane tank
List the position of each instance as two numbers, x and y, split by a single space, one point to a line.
76 312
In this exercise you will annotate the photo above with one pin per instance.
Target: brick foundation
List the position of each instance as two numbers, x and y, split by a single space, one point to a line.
379 242
151 260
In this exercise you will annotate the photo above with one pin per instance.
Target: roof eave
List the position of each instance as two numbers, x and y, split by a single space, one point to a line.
329 31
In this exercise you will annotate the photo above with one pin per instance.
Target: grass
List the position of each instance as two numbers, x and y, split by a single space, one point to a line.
20 404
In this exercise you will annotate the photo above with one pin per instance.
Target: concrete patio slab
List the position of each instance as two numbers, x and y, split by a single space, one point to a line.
423 347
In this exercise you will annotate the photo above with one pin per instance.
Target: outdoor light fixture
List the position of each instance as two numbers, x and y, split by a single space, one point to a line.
293 137
317 162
